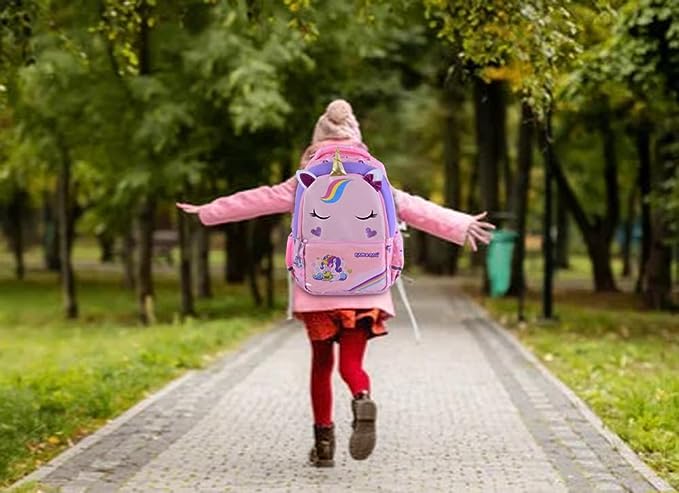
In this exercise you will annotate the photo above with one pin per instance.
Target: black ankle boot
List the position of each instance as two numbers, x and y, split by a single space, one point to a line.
362 441
323 452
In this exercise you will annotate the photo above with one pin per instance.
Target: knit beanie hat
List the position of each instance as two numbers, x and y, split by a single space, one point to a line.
337 123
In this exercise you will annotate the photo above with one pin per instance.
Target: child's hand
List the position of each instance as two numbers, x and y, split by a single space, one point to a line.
479 230
189 208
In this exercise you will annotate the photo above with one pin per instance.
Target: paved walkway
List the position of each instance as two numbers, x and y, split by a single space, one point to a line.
465 410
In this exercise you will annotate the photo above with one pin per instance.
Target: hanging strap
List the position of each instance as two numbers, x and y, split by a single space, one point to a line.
290 295
404 296
413 321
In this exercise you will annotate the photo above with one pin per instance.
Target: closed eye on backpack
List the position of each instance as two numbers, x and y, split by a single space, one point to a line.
369 216
314 214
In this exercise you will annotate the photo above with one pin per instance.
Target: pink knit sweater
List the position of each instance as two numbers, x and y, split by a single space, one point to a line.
417 212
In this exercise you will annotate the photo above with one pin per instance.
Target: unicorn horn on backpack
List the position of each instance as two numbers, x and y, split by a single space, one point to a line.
337 166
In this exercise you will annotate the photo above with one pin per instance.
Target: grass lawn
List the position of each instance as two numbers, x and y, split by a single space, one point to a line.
623 361
61 380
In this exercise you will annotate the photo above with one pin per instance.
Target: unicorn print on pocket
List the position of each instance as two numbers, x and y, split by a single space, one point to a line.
330 269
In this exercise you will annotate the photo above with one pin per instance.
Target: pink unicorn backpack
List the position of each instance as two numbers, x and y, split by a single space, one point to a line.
345 238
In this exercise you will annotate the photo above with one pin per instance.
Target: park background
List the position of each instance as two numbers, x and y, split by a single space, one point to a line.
112 110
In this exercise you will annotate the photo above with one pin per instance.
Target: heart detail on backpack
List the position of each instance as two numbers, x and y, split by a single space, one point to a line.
370 232
316 231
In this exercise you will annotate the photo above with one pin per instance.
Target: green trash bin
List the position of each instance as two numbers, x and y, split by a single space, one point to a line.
499 261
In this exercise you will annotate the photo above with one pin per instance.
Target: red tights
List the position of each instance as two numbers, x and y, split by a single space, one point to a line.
352 344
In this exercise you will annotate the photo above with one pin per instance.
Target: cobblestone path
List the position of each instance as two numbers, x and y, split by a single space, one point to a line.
467 409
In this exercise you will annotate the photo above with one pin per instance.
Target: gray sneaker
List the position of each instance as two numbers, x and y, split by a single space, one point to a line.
362 441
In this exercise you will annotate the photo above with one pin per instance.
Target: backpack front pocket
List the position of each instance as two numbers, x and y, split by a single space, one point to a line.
343 268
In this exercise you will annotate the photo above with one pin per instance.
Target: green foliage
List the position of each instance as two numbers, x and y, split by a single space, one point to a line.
646 45
526 43
160 98
240 68
414 159
633 52
16 30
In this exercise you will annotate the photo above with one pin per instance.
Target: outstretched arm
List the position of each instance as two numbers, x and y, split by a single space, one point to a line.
247 204
447 224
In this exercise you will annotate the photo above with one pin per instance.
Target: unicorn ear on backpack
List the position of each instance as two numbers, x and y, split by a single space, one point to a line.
305 178
374 177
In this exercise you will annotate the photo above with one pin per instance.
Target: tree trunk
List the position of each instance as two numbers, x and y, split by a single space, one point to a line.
146 216
628 232
561 260
489 105
415 240
659 267
658 275
262 255
437 259
270 279
236 250
612 217
106 247
599 250
51 233
422 248
15 213
643 145
186 279
549 159
475 258
204 287
451 159
128 258
502 148
146 220
64 211
252 263
520 194
599 255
